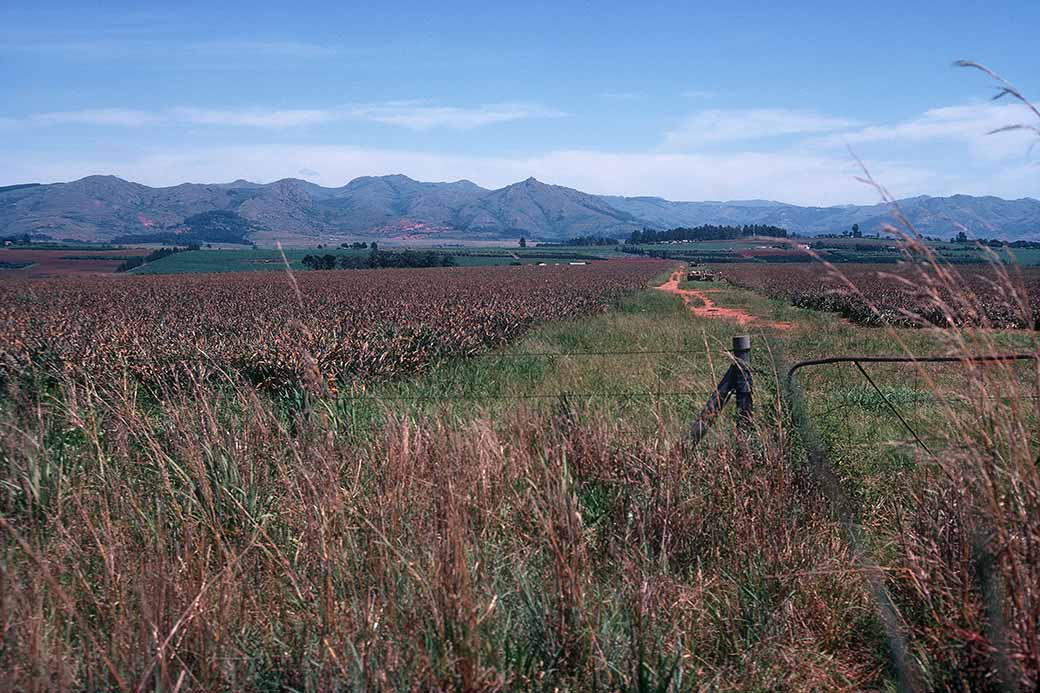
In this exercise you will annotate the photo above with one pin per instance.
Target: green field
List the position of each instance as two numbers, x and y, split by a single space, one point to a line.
194 261
863 250
834 250
261 260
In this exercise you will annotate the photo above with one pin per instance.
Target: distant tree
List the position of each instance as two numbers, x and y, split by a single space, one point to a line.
396 259
707 232
584 240
961 237
523 242
855 231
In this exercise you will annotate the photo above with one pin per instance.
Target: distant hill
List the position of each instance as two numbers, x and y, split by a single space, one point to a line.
104 208
983 217
546 212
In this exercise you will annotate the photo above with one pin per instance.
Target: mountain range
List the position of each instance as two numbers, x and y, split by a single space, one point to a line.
396 207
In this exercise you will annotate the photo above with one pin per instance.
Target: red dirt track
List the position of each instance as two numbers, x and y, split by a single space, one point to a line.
708 308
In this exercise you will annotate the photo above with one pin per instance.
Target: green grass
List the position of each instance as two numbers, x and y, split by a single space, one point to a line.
236 260
195 261
261 260
851 414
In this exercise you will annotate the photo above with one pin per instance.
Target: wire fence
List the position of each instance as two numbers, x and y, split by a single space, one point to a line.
864 408
521 396
460 395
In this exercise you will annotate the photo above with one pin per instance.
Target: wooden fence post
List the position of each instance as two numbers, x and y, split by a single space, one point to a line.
737 380
742 381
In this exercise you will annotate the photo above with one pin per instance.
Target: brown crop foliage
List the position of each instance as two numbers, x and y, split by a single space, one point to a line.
903 295
277 329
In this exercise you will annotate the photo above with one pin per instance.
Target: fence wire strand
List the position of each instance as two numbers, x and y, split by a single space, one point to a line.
916 403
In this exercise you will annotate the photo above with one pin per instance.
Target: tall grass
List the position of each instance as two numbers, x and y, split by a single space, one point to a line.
214 538
959 539
209 545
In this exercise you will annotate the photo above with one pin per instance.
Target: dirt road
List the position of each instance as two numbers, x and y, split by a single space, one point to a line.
701 305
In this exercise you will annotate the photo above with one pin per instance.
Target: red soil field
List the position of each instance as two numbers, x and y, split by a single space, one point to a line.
63 263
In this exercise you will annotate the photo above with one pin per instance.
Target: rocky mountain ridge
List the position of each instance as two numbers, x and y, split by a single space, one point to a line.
106 208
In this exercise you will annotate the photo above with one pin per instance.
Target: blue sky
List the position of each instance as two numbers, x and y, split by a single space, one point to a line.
683 100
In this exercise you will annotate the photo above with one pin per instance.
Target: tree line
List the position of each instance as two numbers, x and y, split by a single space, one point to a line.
379 259
582 241
138 260
962 237
707 232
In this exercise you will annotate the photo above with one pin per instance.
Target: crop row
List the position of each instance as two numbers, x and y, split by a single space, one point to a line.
905 294
352 325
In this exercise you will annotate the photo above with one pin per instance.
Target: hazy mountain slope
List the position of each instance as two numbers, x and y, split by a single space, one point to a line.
373 202
96 206
545 211
661 213
938 216
105 207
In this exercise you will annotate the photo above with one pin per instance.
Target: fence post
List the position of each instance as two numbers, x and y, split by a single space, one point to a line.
742 382
737 380
713 406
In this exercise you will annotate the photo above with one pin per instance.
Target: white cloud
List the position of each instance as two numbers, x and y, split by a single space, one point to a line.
967 125
416 116
622 96
786 176
950 122
290 49
718 126
146 46
698 94
120 117
407 114
252 118
796 172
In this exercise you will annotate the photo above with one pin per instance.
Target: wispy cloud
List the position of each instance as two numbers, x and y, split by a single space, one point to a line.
407 114
698 94
256 118
718 126
416 116
749 165
950 122
97 116
946 131
799 177
144 46
289 49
